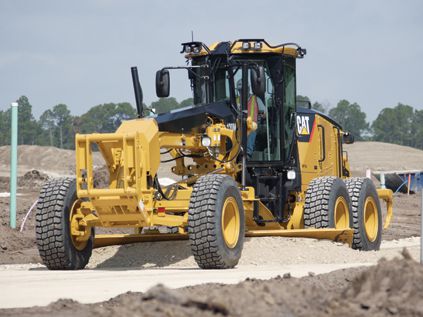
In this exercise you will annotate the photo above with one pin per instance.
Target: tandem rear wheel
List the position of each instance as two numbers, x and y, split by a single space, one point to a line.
366 214
331 203
216 222
327 204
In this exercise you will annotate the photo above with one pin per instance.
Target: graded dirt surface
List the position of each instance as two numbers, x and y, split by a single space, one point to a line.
117 269
390 288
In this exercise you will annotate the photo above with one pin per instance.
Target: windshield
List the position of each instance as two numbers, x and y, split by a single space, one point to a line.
273 137
203 92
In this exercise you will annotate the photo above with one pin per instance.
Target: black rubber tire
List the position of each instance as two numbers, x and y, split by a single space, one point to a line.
359 189
320 199
52 227
204 222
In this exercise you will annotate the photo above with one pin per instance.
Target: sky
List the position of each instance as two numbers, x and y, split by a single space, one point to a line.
80 52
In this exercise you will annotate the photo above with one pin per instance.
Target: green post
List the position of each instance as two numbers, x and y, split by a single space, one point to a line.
13 163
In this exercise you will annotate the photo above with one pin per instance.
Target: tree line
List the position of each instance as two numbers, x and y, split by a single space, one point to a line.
57 126
400 124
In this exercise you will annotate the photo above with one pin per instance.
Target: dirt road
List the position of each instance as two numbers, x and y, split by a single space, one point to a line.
31 284
34 286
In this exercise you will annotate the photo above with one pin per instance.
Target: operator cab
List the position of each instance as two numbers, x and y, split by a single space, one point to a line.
216 76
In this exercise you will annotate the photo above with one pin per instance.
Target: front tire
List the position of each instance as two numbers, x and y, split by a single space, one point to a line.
366 214
52 224
216 222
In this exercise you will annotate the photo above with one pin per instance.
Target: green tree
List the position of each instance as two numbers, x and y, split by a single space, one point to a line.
4 127
63 121
395 125
186 102
28 129
304 101
351 118
46 123
417 129
164 105
319 107
104 118
57 125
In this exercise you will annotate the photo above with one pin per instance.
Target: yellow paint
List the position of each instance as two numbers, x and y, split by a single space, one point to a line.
320 156
387 196
340 235
132 156
237 49
371 219
230 222
341 214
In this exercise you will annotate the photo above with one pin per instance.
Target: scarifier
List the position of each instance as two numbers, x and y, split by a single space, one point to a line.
274 170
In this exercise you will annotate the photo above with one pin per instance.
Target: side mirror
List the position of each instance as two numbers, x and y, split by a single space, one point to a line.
347 138
162 83
258 81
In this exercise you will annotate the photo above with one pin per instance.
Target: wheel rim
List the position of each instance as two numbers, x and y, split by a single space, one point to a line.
230 222
341 216
73 221
371 219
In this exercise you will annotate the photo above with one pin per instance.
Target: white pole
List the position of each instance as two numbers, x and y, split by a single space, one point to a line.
13 162
421 231
369 173
382 180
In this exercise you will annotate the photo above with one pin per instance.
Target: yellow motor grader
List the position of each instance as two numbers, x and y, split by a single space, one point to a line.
248 162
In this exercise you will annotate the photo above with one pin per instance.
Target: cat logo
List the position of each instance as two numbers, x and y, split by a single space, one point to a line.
303 125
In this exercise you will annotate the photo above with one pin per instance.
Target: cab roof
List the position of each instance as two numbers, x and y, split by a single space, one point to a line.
241 46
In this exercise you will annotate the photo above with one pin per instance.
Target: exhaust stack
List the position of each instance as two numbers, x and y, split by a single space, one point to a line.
137 91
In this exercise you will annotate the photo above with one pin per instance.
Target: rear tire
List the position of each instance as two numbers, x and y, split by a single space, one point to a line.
327 204
216 222
52 225
366 214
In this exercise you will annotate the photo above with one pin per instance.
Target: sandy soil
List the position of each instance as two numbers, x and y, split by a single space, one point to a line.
380 156
391 288
46 159
281 296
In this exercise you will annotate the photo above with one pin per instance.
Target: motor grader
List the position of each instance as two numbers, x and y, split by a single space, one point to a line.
292 179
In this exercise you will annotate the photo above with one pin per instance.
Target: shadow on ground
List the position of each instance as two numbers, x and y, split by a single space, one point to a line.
142 255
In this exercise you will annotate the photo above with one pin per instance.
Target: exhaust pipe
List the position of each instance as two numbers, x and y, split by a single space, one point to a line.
137 91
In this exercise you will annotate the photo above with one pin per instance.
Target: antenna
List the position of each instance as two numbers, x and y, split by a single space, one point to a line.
192 36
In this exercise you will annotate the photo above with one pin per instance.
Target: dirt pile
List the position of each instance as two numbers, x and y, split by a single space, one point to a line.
16 246
380 156
47 159
390 288
33 179
101 177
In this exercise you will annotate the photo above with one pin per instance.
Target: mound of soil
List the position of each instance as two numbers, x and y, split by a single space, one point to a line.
33 179
47 159
380 156
389 288
101 177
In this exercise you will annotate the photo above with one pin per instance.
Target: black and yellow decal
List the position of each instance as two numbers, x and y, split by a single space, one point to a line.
305 126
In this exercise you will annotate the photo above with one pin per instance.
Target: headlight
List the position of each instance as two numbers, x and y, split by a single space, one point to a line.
291 175
205 141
